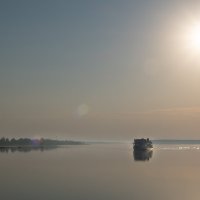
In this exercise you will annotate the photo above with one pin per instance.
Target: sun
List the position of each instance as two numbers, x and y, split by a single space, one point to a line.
194 37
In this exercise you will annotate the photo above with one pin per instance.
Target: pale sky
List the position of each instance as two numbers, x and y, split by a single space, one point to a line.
113 69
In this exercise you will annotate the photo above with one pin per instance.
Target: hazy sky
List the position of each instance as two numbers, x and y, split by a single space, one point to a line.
113 69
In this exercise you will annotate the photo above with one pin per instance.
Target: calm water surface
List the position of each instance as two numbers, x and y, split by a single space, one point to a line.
101 172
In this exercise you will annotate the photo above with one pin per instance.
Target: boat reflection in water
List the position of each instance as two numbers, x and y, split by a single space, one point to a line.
142 155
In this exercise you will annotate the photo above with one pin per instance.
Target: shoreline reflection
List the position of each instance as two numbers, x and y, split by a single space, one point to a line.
142 155
26 149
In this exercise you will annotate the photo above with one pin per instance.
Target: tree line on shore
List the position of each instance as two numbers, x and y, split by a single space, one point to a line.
35 142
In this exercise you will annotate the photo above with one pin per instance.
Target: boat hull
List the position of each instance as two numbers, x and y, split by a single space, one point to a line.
135 148
142 144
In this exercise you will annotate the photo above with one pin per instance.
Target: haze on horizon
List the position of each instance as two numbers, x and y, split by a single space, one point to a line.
99 69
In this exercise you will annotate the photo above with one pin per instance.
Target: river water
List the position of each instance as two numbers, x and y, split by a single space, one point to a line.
100 172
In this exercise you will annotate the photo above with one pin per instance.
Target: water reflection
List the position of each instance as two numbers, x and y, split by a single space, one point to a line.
142 155
26 149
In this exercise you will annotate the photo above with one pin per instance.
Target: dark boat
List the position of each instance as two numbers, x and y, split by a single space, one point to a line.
142 144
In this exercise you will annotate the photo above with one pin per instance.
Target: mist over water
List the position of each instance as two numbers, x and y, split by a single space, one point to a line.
101 171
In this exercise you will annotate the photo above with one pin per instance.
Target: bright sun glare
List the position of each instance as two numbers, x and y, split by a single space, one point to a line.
194 37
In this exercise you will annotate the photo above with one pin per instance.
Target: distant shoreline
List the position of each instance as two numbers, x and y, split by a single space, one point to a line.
27 142
45 143
175 141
